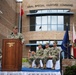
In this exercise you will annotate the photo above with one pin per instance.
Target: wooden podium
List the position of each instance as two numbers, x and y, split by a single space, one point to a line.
11 55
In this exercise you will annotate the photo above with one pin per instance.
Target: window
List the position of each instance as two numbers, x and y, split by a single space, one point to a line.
49 22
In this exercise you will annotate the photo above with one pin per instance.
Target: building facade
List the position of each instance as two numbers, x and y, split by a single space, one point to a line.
43 21
7 18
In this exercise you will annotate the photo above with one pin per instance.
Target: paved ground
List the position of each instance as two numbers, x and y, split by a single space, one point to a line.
25 64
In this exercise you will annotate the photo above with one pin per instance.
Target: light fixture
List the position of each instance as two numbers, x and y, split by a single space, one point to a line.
19 0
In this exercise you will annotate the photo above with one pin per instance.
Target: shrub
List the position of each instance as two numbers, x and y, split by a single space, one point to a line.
24 60
70 70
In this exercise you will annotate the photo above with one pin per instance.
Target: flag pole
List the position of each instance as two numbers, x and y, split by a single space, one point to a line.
73 38
19 25
20 19
67 44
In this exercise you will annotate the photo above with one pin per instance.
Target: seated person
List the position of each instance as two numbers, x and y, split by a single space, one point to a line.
31 57
54 54
46 55
29 54
38 56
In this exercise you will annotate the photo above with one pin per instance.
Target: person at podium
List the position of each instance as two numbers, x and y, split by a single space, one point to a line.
16 35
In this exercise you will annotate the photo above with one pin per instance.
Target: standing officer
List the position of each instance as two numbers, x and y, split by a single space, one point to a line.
38 56
16 35
54 53
46 55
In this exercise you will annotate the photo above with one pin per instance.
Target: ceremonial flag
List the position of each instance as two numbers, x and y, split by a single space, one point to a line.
73 40
74 34
65 43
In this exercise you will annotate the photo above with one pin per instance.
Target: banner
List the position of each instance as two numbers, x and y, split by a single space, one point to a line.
30 73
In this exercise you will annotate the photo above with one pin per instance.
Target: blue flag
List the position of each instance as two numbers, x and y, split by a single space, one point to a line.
65 41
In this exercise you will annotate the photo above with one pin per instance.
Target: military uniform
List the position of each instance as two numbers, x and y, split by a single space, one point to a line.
54 53
38 56
31 58
16 36
46 55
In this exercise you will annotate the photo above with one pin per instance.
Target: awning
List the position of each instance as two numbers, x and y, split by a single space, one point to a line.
31 44
51 13
34 44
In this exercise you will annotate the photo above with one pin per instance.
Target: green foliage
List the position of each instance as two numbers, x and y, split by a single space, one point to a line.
24 60
70 70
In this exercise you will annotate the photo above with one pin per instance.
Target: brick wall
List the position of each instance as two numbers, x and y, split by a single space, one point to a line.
68 62
48 4
8 18
42 4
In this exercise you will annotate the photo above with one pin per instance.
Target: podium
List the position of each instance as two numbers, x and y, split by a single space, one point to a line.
11 55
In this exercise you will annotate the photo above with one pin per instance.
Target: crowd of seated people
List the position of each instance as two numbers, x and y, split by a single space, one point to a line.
49 53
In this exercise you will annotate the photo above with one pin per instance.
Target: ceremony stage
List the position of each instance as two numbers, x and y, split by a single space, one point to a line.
32 71
13 65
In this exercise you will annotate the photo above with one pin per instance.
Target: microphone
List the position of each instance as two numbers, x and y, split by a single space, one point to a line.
11 33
